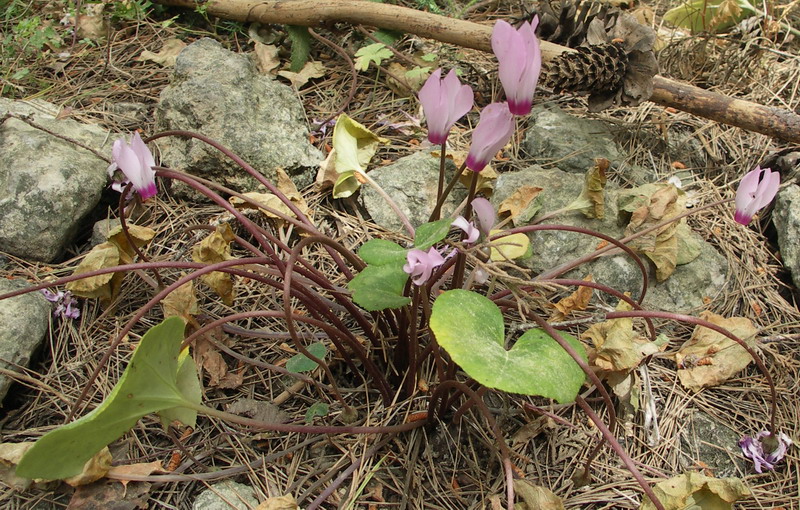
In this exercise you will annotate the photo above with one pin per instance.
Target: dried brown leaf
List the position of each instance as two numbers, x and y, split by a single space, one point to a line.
94 469
521 205
578 300
537 497
266 57
279 503
709 358
166 56
216 248
310 70
181 302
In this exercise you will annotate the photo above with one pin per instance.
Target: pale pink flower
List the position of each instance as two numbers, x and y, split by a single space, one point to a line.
468 228
444 101
484 211
753 448
494 130
136 163
756 190
519 63
421 264
65 304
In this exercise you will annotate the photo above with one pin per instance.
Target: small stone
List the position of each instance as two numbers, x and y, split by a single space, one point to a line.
227 495
786 216
705 440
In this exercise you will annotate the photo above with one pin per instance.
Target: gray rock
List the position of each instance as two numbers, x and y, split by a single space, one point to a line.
221 94
704 439
47 185
687 288
128 115
226 495
101 229
23 323
786 216
572 143
411 182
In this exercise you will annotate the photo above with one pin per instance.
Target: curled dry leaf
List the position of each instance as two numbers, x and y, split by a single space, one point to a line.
266 56
117 250
521 206
537 497
617 347
578 300
216 247
696 490
279 503
709 358
166 56
10 454
309 71
181 302
124 473
94 469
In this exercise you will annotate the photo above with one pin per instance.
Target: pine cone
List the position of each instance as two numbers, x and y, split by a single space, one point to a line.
590 69
562 22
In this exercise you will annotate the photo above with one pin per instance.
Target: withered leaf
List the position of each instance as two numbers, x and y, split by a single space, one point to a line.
279 503
94 469
537 497
522 205
101 286
696 490
709 358
578 300
266 56
10 454
216 248
310 70
123 473
181 302
166 56
617 347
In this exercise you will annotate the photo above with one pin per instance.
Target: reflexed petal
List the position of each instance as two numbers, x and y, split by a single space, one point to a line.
468 228
484 211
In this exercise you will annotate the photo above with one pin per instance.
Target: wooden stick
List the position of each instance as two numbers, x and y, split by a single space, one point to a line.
775 122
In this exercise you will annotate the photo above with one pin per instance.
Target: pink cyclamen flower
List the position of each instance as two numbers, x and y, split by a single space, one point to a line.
421 264
753 448
519 63
494 130
468 228
136 163
756 190
444 101
484 211
64 304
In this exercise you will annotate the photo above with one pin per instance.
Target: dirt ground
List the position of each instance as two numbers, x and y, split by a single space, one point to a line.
452 465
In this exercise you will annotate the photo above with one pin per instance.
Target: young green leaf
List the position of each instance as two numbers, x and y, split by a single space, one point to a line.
149 384
301 46
316 409
379 287
300 363
381 252
372 53
470 328
431 233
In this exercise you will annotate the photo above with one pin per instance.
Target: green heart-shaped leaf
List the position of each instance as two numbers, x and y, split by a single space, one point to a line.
301 363
470 328
431 233
148 385
379 287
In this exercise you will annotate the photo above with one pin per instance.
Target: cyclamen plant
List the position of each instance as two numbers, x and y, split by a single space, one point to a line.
425 304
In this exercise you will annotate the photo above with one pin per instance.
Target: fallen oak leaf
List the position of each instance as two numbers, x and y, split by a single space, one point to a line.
310 70
578 300
166 56
521 206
